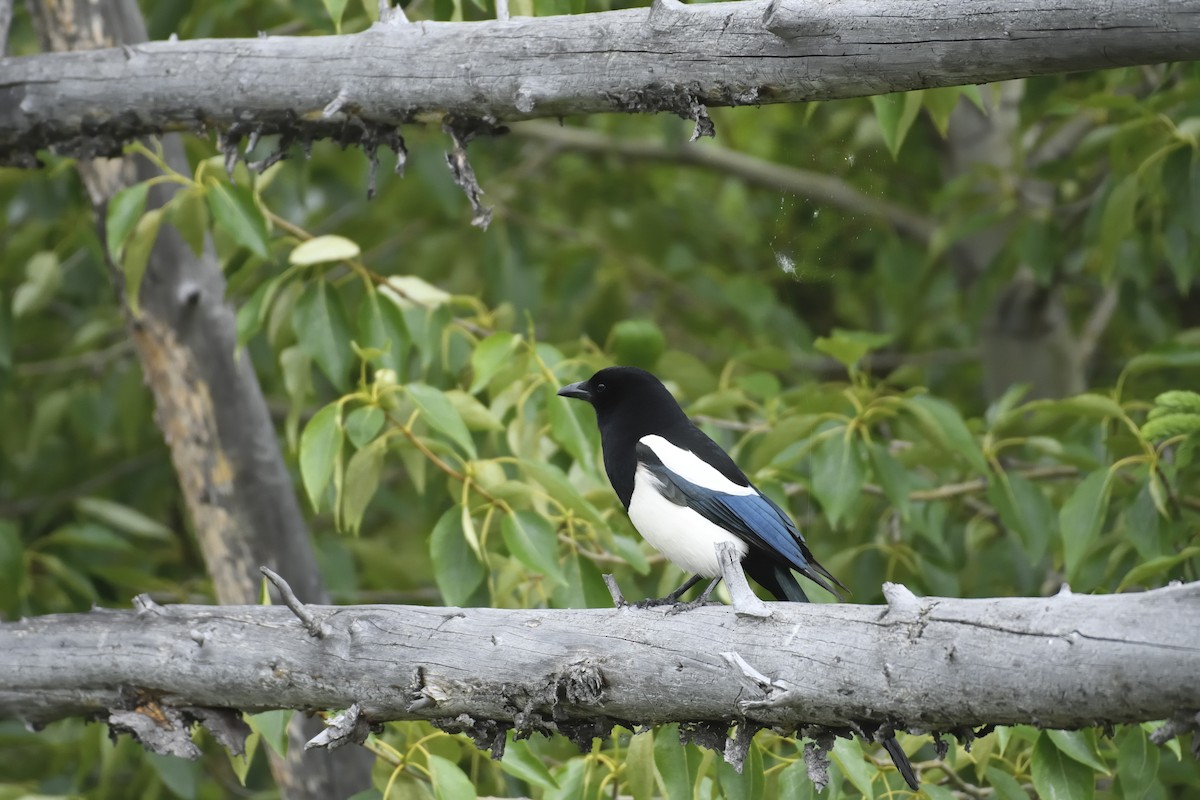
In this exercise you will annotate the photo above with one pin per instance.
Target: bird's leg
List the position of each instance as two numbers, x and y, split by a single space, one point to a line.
672 598
699 602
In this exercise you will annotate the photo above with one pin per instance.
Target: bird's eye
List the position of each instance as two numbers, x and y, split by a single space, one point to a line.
600 387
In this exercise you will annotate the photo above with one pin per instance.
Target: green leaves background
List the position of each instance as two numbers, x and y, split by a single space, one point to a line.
410 363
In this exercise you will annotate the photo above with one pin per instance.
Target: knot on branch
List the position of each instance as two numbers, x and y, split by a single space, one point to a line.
581 683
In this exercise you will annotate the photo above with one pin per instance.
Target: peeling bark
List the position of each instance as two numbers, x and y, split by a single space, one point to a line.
670 57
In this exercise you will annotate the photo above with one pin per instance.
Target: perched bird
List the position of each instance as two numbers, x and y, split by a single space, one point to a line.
685 495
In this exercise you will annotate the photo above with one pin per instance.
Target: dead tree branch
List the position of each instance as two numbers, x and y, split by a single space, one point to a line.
669 57
933 664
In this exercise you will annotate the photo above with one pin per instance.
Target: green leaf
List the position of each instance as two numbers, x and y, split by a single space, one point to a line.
1178 400
1004 785
251 314
273 727
137 256
1024 509
320 450
582 587
895 113
531 539
323 331
124 210
336 8
439 413
941 422
456 570
475 415
1057 776
362 479
940 103
561 490
241 764
490 356
572 424
636 343
188 212
1080 746
124 518
363 424
1142 574
1137 763
1117 221
640 772
449 782
1165 426
1081 518
381 325
629 549
236 213
849 347
322 249
1173 357
43 276
838 475
671 760
794 783
177 774
893 477
12 569
1092 406
296 366
848 755
520 761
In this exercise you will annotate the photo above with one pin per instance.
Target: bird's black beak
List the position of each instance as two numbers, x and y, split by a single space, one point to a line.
577 390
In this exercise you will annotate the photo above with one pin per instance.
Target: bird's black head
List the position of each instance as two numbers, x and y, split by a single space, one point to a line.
629 396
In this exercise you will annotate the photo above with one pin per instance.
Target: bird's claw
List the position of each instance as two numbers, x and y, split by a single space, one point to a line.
700 602
654 602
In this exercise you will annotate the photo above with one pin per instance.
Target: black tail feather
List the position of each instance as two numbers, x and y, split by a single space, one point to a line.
776 579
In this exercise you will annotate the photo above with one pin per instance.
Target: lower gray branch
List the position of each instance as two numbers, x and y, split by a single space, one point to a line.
920 663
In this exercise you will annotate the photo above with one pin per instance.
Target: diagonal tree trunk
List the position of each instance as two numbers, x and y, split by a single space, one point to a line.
239 494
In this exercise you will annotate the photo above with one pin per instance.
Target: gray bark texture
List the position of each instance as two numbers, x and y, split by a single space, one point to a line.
669 57
932 664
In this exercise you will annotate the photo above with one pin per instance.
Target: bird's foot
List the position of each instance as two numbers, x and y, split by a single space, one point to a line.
654 602
699 602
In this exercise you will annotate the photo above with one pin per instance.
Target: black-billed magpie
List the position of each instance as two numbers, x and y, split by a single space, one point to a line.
685 495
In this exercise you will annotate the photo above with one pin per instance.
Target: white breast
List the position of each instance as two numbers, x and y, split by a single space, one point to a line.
686 538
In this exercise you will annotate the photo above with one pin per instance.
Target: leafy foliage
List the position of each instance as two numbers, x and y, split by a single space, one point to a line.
412 364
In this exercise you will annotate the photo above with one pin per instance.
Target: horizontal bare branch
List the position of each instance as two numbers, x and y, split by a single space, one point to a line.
670 57
929 663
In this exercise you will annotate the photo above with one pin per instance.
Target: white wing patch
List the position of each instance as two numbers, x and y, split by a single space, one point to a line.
690 467
686 538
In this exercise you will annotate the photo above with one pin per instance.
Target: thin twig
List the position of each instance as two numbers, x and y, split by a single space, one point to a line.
94 360
81 489
818 187
315 627
613 589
